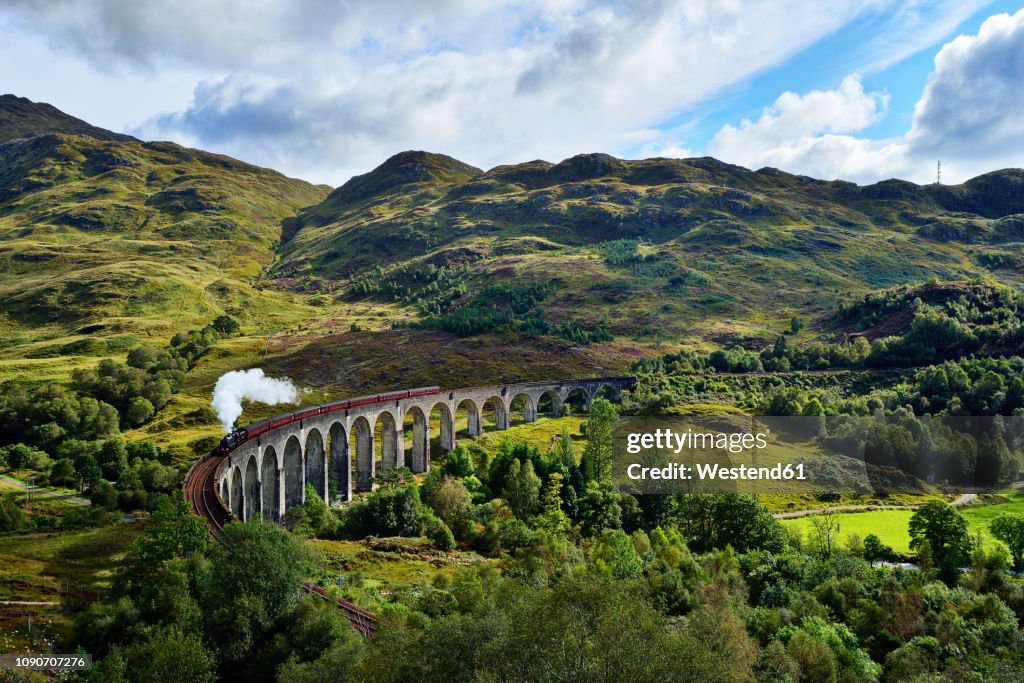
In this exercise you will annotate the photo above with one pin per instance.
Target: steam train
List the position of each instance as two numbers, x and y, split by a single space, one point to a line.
243 434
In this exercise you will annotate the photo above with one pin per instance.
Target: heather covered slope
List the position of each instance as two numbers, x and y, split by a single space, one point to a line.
658 248
115 236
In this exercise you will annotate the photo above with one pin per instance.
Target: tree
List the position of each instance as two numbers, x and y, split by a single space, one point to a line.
63 472
813 408
599 509
876 551
1009 528
585 627
796 324
144 450
616 554
393 511
143 356
249 588
721 519
112 458
781 348
18 456
312 517
173 532
597 454
104 495
450 501
522 489
170 655
552 518
938 524
564 452
88 469
139 411
814 411
102 624
324 646
226 326
439 534
459 462
826 526
827 651
158 392
509 450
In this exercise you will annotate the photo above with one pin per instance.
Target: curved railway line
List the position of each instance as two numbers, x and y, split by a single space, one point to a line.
200 492
200 484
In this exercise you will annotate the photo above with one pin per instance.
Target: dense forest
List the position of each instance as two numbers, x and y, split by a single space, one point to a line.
613 587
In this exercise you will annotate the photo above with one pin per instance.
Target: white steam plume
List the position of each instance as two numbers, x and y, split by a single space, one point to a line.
253 385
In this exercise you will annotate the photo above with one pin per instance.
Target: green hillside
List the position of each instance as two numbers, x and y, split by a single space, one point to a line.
428 270
108 240
655 249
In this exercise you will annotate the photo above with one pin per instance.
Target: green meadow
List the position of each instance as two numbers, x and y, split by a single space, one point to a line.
891 526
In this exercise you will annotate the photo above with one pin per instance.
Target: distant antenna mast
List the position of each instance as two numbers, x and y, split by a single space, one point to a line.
938 172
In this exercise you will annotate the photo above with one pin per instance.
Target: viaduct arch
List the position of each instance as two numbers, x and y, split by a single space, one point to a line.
268 475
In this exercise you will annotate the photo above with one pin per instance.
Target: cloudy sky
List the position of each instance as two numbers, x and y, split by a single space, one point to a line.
324 89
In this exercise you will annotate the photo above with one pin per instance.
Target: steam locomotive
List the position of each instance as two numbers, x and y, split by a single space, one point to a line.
243 434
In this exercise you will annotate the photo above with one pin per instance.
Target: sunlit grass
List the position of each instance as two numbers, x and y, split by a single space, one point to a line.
71 568
891 526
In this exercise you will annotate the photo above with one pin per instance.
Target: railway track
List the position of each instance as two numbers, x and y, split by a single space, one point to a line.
200 492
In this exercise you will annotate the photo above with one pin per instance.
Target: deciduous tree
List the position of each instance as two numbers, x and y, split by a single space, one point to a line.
938 524
1009 528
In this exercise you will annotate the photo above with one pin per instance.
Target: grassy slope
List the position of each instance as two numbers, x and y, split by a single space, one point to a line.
103 241
70 568
747 249
889 525
387 566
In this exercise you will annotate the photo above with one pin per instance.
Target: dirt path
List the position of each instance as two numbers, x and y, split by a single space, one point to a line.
962 500
43 492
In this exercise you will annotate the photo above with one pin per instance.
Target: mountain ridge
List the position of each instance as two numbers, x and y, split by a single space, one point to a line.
124 236
21 117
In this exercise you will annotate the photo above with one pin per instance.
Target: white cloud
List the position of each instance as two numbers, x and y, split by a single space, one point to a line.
969 117
972 105
326 89
796 129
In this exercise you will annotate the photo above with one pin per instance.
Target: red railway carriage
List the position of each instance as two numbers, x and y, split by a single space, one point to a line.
336 406
363 401
424 391
240 436
307 413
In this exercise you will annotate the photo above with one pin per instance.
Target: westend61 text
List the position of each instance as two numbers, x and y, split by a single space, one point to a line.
715 472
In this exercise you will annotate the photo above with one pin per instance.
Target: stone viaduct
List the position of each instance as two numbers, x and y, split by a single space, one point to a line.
267 475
